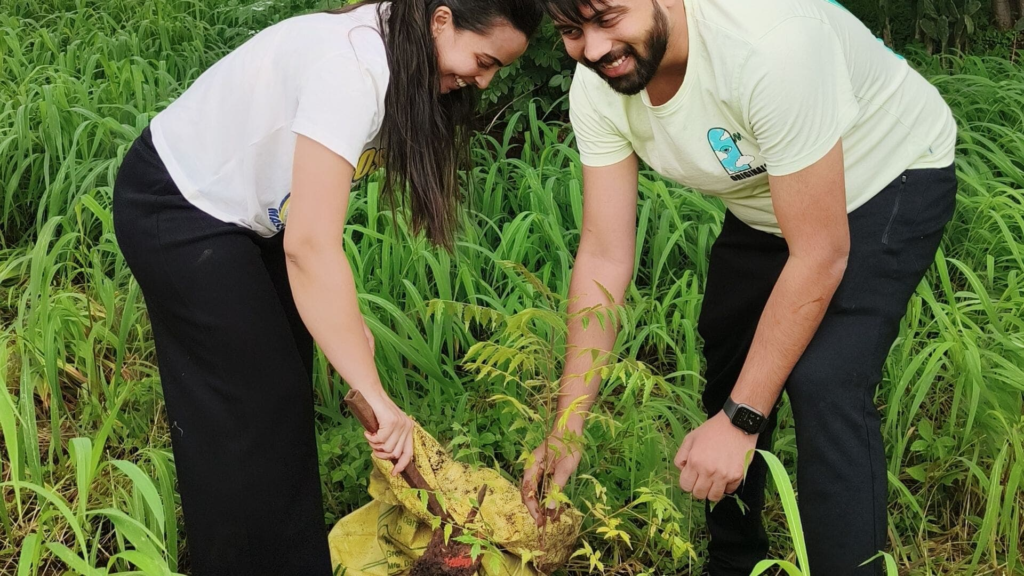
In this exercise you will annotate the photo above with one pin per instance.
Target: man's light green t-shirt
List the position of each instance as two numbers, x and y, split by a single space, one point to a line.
770 87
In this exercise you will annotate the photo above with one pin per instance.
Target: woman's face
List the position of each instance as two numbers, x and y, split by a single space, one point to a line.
466 58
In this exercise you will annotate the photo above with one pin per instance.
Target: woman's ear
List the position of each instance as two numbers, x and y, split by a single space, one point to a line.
442 17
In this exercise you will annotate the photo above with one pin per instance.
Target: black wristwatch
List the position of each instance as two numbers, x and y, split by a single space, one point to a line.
744 417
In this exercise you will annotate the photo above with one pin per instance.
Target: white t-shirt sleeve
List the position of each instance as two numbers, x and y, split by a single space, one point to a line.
340 106
599 142
795 93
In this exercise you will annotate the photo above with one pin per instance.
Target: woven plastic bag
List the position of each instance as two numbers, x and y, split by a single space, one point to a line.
385 537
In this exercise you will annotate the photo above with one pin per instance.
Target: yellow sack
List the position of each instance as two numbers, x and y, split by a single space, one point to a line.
387 535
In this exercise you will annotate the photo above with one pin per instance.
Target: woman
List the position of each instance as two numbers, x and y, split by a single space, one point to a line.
277 132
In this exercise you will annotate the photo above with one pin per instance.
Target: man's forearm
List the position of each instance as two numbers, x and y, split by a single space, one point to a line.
789 321
598 337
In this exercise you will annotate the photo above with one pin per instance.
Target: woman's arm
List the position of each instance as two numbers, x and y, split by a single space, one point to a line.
325 292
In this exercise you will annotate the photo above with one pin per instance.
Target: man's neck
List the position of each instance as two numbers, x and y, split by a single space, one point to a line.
669 77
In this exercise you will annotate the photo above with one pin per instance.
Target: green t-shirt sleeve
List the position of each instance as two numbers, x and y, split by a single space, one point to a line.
600 143
795 93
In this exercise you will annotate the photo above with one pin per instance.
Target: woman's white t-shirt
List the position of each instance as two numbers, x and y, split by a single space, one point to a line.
228 142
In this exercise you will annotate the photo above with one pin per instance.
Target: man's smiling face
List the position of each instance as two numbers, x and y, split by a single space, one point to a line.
624 41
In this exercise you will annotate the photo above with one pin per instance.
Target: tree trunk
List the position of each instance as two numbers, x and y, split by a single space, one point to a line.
1002 17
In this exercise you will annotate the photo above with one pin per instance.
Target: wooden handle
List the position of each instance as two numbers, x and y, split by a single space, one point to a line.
364 413
362 410
480 494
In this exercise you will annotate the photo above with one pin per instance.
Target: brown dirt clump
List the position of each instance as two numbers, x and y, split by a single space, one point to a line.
439 559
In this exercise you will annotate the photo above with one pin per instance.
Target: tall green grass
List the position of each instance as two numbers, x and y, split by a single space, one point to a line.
470 343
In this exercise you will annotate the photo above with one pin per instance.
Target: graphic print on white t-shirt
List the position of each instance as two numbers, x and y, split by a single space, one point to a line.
738 166
278 216
369 162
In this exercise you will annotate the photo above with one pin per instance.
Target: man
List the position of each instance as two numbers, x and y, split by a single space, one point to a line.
834 159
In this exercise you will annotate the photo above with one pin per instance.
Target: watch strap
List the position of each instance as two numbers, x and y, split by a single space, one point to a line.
730 407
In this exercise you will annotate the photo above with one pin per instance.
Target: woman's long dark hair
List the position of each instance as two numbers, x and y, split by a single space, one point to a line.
424 135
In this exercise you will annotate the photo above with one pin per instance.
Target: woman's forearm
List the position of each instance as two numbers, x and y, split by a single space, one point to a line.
325 295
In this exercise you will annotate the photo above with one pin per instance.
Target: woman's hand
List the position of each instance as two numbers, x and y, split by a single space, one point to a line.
393 440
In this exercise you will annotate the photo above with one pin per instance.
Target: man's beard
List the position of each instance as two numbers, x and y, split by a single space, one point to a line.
644 67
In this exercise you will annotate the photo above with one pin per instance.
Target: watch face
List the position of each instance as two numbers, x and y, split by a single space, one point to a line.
747 420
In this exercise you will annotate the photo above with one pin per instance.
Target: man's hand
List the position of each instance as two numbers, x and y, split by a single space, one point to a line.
712 458
553 460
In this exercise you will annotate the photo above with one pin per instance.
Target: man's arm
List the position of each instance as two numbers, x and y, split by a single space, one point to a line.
811 208
604 262
604 259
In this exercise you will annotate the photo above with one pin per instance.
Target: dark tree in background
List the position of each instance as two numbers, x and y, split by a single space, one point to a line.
1002 15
